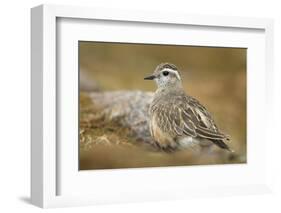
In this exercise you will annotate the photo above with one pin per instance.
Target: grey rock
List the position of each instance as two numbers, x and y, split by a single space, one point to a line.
128 108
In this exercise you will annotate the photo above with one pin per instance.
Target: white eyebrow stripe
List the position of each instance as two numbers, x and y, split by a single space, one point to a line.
173 71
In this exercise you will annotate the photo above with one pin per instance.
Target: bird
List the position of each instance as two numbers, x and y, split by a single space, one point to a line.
176 120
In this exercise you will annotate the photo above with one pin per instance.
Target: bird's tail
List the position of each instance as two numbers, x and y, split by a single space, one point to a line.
222 144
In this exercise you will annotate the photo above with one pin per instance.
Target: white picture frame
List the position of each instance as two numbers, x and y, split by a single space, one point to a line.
47 164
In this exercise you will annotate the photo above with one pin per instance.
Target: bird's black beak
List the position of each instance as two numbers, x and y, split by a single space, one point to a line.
151 77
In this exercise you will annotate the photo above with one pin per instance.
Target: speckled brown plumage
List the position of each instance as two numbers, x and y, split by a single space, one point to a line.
177 119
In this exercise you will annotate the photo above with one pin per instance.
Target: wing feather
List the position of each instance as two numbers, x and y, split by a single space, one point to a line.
187 116
203 121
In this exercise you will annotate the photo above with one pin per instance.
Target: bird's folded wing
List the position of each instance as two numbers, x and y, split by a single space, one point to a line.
194 120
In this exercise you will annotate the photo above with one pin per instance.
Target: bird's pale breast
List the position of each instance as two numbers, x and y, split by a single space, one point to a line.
163 139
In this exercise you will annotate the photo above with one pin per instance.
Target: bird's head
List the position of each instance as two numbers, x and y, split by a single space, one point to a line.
165 75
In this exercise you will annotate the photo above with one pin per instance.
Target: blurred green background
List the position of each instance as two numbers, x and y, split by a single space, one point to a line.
215 76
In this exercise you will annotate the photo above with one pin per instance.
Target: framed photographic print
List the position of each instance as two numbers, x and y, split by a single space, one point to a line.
130 106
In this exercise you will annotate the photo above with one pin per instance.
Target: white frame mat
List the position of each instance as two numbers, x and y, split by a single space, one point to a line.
50 188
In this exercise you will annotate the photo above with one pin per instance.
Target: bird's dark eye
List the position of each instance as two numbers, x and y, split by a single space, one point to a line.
165 73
